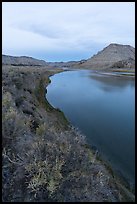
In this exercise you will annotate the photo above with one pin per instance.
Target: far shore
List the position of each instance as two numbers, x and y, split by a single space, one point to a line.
115 72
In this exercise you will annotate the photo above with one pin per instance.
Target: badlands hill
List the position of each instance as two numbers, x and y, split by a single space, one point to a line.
112 56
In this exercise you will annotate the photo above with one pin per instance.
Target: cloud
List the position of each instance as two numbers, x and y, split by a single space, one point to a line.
49 31
69 27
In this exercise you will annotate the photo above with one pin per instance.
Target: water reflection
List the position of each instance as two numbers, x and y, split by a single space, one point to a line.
113 83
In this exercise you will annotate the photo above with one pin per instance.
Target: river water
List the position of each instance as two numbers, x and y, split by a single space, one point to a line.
103 108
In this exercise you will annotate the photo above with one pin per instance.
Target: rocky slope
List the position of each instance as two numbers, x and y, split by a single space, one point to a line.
23 60
112 56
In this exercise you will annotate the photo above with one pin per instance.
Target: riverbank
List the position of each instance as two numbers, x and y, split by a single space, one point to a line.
44 158
110 72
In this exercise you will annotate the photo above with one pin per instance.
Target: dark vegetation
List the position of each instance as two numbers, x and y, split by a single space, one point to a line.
44 158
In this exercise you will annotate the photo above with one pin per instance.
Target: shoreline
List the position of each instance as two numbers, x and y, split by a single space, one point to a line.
106 72
116 172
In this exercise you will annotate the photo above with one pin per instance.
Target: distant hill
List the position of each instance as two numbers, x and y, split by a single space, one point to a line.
23 60
112 56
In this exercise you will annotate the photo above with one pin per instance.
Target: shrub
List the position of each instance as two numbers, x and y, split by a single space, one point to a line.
13 123
44 174
41 129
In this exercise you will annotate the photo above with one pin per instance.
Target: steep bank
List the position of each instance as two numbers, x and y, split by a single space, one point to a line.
44 159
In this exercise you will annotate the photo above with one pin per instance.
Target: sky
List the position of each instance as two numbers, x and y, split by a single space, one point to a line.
65 31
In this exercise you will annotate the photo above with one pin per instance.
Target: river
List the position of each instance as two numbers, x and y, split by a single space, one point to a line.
103 108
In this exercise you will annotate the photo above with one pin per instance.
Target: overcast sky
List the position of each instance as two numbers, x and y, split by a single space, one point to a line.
56 31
